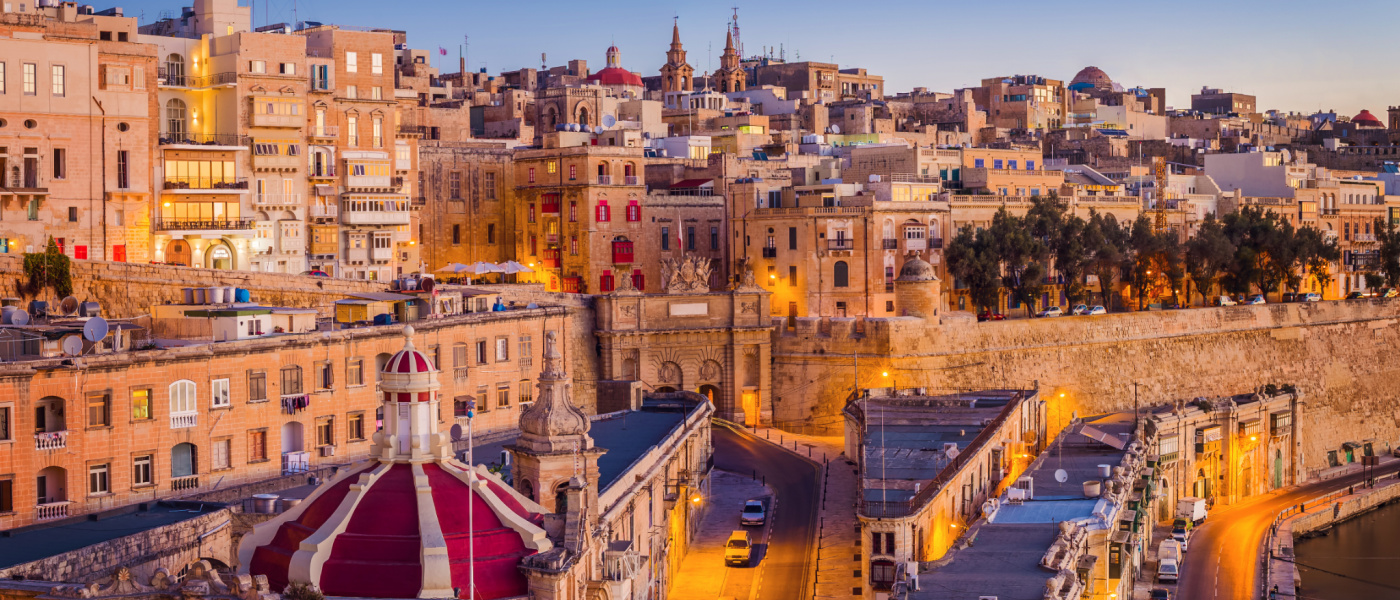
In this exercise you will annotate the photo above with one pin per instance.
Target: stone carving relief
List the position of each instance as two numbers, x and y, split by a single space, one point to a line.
201 581
686 275
669 373
711 371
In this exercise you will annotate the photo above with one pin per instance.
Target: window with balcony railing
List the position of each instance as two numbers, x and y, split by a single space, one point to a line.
572 285
551 257
770 252
622 252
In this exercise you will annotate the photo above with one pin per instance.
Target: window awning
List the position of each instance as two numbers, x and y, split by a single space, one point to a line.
325 190
1351 445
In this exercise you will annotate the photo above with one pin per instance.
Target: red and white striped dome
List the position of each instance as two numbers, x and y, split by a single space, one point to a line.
409 360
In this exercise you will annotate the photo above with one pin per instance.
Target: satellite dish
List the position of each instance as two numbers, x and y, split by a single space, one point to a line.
1061 476
95 329
19 317
836 129
428 285
68 307
73 345
609 121
599 129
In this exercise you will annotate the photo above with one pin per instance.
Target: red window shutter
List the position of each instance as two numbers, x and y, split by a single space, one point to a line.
119 253
634 212
80 252
602 211
639 280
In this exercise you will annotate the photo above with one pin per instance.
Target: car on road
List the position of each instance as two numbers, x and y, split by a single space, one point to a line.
1167 571
737 550
1310 297
1053 311
1079 309
1182 536
754 514
1160 594
1389 293
1358 295
1095 310
1225 301
1256 299
988 315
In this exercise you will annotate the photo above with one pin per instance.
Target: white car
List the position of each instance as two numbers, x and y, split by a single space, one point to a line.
1053 311
1225 301
1310 297
1256 299
1079 309
1167 571
1097 310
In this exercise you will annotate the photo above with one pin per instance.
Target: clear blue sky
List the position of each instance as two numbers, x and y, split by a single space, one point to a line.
1293 55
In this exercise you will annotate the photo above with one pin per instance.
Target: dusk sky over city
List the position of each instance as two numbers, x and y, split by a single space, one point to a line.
1273 50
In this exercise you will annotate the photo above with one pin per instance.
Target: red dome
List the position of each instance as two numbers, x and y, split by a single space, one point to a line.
1366 119
409 360
616 76
379 552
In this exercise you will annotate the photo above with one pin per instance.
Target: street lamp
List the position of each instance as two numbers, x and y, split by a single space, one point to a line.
695 499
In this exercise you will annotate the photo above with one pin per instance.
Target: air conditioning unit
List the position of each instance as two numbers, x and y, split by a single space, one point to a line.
327 450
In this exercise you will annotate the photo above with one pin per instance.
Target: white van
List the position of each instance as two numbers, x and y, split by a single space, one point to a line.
1169 550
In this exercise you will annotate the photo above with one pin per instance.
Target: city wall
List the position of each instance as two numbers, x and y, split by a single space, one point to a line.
1340 355
130 289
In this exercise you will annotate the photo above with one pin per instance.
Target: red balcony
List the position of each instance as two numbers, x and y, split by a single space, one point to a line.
550 204
572 284
622 252
551 258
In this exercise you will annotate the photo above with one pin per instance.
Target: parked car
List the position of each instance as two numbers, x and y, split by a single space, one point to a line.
1310 297
1160 594
1167 571
1389 293
1225 301
1182 536
1096 310
1256 299
1053 311
737 549
1079 309
755 513
988 315
1359 295
1290 297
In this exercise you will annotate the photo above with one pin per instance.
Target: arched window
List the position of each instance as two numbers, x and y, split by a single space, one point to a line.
175 118
182 398
842 274
582 115
175 69
561 498
629 170
184 460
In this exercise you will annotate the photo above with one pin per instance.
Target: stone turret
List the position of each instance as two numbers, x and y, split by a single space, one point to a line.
917 290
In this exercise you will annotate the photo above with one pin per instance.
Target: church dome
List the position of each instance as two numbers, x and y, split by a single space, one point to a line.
409 360
1091 77
1366 119
614 74
917 269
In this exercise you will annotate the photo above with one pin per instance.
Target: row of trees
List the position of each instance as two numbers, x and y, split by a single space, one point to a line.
1243 251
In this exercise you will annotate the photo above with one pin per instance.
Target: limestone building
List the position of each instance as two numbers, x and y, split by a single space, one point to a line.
677 75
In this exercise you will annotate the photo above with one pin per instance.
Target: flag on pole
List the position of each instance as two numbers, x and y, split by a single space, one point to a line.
442 51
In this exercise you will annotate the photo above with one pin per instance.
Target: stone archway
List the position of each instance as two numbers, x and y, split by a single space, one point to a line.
712 392
219 255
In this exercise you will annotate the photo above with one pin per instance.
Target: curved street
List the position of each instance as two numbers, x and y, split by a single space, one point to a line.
784 572
1223 560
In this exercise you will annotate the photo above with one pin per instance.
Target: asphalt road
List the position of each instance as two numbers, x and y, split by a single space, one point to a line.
785 567
1223 560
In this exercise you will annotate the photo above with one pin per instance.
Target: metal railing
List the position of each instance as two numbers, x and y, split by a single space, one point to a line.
890 244
203 139
184 420
322 173
48 511
840 244
204 183
276 199
631 180
324 131
604 180
770 253
460 372
203 225
192 81
914 178
51 440
325 211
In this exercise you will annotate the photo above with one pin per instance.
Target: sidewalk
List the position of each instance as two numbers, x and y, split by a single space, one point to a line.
838 543
702 572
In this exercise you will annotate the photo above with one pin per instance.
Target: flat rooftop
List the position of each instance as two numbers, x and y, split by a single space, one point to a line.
19 546
905 434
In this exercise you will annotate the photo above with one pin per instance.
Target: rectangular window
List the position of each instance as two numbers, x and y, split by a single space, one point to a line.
714 238
690 238
532 174
291 380
2 77
456 234
123 170
352 92
72 214
454 185
977 163
58 80
31 79
996 164
288 69
325 376
792 238
461 405
141 471
525 360
60 163
481 404
502 349
355 427
257 66
665 238
792 276
490 233
7 488
257 386
325 431
355 372
1030 165
7 422
376 64
220 390
220 458
503 395
488 181
573 172
98 480
351 62
481 352
99 409
257 445
573 212
526 392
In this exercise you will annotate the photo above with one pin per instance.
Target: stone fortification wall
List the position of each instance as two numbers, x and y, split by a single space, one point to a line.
129 289
1339 354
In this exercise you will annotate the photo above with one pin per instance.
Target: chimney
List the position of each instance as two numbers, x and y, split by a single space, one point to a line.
462 68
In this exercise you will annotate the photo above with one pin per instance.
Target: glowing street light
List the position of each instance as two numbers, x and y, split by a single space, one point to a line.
695 499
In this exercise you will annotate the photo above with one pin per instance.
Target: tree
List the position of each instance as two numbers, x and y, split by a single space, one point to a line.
1143 259
1388 240
1107 240
1316 254
1022 257
1073 257
972 262
1173 263
1207 255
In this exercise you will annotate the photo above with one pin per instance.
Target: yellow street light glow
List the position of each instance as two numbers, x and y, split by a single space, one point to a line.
953 525
885 374
695 499
1062 394
1253 438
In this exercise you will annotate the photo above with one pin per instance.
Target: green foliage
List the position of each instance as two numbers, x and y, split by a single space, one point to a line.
301 590
1388 239
1208 255
972 261
51 269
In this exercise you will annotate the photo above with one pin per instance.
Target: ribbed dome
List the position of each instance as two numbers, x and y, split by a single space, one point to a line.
917 269
1366 119
1093 77
409 360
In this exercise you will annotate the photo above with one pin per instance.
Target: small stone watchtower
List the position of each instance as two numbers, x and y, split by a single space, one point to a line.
917 290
